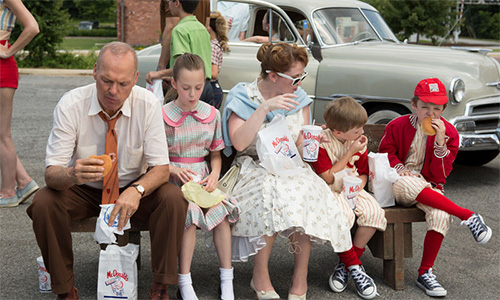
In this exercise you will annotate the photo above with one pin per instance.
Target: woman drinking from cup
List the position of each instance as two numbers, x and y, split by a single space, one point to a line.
298 207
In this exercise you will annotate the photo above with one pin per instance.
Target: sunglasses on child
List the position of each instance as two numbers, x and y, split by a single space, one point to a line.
295 80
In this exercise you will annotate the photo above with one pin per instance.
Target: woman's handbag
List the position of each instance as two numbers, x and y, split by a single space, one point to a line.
228 181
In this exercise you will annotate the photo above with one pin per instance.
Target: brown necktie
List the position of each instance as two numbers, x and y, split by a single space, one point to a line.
110 183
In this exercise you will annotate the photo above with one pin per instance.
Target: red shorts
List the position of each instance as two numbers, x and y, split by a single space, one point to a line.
9 74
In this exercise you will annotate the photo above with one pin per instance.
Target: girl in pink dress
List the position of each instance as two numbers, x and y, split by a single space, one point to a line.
193 132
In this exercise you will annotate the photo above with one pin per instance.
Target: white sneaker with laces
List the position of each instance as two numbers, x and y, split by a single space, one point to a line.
478 228
338 279
364 284
430 285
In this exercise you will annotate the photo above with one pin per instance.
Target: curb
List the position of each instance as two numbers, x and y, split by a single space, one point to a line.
55 72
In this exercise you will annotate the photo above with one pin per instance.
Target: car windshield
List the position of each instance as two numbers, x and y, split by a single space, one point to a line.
348 25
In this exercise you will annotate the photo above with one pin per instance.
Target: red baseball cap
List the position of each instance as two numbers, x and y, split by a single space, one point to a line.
431 90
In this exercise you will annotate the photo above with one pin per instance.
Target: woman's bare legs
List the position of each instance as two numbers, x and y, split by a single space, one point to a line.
301 244
261 278
10 166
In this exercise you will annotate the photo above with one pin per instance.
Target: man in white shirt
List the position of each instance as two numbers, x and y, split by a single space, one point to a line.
237 16
74 181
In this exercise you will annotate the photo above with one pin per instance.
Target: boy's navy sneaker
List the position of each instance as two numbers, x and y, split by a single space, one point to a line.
430 285
479 230
364 283
338 279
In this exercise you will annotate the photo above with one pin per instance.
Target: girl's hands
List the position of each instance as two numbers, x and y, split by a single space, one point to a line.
211 182
183 174
285 101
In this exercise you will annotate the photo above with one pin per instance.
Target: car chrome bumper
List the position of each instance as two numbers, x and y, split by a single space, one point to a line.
475 142
479 127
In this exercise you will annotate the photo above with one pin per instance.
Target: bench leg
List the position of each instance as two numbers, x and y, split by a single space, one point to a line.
394 269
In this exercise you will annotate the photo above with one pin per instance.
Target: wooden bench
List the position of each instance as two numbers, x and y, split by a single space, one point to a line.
395 243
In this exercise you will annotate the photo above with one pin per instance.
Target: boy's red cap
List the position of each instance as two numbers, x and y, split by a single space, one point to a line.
431 90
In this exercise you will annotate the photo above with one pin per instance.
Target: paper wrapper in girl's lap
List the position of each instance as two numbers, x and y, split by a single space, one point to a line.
43 277
105 234
352 186
381 178
311 135
117 277
276 149
194 192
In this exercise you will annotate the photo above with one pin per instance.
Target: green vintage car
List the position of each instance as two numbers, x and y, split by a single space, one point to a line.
353 52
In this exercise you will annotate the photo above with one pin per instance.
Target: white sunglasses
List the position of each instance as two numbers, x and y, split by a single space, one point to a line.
295 80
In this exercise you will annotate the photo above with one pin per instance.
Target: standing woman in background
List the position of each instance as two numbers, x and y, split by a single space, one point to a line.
11 168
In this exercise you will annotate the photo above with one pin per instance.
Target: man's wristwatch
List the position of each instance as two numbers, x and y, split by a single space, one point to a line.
139 188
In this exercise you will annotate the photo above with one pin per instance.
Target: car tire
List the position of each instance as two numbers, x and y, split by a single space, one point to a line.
476 158
383 116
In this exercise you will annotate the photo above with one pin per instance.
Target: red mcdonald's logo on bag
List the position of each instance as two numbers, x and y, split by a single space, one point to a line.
115 273
278 140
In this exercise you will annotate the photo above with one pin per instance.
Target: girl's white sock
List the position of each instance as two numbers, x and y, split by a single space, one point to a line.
226 284
186 287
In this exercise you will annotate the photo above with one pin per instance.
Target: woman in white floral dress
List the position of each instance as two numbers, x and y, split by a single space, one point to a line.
299 207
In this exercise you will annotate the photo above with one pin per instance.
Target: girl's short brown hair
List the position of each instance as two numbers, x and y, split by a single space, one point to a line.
344 114
279 57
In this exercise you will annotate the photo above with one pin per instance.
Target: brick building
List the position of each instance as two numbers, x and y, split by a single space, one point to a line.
138 21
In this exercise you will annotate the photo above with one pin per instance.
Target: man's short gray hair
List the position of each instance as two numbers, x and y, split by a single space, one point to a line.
118 49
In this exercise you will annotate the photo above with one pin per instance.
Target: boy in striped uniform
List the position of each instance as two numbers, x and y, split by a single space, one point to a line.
346 150
423 162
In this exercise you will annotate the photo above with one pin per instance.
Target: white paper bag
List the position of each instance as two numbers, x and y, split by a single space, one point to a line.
381 178
105 234
118 272
277 150
157 89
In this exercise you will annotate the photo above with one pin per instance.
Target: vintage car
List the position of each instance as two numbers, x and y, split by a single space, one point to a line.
353 52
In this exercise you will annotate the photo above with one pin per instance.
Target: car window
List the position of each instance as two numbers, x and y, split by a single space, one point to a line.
269 23
302 25
342 25
381 27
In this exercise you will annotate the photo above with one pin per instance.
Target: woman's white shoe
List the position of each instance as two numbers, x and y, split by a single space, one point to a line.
297 297
262 295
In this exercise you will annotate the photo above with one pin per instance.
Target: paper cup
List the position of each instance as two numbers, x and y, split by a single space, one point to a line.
43 277
311 142
352 186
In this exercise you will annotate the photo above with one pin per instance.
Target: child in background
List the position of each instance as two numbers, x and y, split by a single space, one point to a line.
193 131
217 28
346 150
424 161
188 36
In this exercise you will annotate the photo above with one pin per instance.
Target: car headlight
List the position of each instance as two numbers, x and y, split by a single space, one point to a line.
457 90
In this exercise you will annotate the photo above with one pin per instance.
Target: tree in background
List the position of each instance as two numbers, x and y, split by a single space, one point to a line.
53 23
97 10
482 21
430 18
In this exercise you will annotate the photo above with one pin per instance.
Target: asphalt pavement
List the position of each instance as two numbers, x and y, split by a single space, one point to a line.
466 270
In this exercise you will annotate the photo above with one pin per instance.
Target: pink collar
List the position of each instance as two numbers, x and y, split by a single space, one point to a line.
175 116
